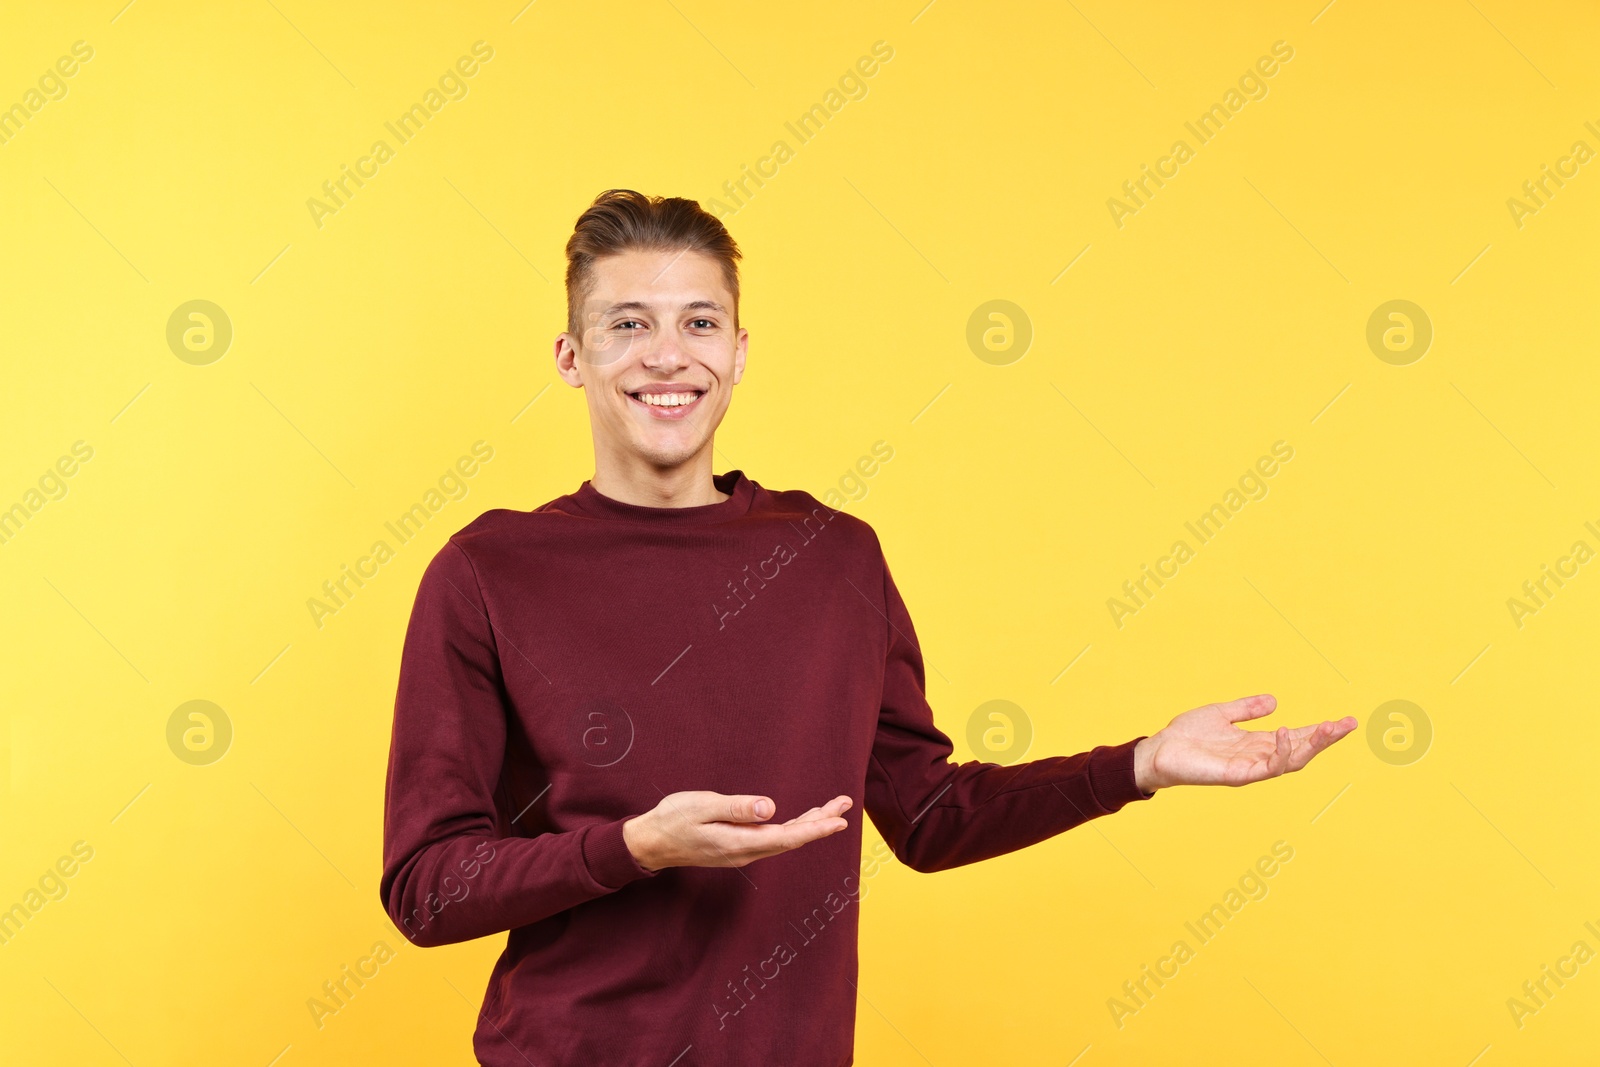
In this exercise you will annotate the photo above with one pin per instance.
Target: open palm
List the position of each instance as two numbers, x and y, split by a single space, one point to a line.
1205 747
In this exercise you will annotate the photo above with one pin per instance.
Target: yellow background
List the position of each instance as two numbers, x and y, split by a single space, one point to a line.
370 353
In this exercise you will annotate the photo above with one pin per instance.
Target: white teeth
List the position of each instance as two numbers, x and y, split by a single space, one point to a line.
668 400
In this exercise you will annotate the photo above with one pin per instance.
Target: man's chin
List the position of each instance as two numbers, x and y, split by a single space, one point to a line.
657 449
680 439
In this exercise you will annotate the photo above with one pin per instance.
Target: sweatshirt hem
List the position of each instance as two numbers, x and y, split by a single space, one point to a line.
1112 778
606 855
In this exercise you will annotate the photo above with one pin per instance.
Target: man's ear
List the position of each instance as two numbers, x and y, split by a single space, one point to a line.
567 361
740 347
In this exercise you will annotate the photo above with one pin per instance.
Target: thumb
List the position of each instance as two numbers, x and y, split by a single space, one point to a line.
746 809
1246 708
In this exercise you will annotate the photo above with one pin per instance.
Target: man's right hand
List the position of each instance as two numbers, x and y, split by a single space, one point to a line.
703 829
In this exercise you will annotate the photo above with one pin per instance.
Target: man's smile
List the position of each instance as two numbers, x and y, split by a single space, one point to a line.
667 400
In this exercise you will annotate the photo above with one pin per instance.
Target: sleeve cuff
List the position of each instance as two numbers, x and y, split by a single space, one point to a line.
1111 776
606 855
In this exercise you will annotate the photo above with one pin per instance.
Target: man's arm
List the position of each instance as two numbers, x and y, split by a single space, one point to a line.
447 874
936 814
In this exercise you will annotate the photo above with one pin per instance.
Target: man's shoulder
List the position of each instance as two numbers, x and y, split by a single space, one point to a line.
500 524
801 508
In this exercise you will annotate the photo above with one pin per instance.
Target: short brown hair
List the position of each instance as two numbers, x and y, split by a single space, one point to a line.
621 220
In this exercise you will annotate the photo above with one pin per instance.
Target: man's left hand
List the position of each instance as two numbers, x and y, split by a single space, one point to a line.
1204 747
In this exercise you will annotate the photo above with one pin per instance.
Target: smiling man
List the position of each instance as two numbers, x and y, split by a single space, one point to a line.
652 795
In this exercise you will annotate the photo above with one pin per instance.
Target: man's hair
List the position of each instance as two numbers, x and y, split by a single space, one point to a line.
621 220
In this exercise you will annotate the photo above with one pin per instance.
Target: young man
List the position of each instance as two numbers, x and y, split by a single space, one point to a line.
610 707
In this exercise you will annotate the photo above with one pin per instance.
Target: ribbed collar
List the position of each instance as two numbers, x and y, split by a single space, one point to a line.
741 492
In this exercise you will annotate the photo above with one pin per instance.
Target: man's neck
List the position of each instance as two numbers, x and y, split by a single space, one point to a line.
685 486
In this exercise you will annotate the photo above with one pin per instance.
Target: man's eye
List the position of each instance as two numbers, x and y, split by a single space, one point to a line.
709 325
627 322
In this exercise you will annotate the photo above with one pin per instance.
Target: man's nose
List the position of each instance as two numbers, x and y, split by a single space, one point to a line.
665 352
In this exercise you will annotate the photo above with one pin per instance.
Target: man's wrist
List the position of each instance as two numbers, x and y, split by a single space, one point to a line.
1144 766
635 837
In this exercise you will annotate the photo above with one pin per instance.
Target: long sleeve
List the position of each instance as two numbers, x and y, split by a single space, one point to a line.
448 875
936 814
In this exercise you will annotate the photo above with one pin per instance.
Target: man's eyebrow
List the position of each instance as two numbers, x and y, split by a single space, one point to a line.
639 305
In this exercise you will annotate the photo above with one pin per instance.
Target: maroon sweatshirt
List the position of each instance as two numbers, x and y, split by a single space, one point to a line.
567 667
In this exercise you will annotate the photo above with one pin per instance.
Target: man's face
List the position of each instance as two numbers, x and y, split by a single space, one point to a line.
658 356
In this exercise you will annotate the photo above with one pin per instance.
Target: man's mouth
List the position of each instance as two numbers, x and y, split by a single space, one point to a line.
667 405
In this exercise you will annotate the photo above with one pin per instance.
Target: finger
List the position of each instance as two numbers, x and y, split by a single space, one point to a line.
834 808
1315 742
722 808
801 834
1249 707
1304 734
758 842
1320 737
1282 750
1339 727
831 811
